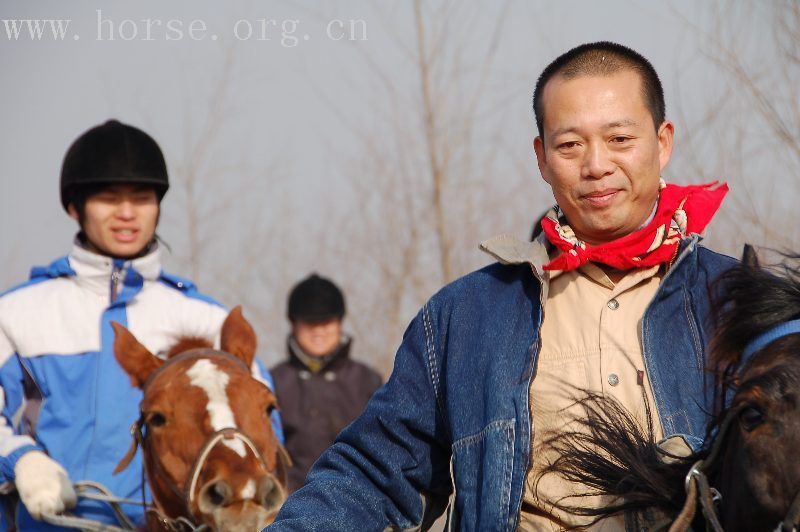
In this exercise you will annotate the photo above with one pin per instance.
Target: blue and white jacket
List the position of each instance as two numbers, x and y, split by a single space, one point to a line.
61 389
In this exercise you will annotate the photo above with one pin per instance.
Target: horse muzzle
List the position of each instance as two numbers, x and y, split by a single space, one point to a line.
250 505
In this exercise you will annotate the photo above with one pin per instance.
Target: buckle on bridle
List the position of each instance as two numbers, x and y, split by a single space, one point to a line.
694 471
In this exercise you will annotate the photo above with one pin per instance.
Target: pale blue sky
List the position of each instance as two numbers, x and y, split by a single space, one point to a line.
293 109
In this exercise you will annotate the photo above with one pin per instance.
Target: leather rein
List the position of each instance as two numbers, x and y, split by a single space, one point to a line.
186 492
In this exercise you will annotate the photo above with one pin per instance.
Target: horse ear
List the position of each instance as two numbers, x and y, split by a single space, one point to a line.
749 257
238 337
134 358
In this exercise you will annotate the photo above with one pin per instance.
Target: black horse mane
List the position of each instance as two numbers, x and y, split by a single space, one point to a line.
608 451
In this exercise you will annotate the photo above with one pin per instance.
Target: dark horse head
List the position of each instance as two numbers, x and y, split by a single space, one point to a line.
750 457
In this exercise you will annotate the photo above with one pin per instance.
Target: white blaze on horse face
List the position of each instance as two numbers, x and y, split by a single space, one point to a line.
249 490
206 375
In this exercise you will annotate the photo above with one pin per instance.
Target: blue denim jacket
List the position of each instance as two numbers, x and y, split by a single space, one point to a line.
453 425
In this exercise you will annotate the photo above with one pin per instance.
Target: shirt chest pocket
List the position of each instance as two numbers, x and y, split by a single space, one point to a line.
482 470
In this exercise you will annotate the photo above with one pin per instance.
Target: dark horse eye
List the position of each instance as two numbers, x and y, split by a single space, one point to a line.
750 417
156 420
270 409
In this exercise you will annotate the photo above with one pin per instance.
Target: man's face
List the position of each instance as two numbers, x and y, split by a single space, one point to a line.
119 221
601 153
317 338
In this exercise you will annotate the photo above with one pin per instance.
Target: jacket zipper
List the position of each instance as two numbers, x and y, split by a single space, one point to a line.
116 276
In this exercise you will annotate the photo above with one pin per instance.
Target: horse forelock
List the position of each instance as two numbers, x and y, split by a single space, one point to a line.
187 343
213 380
772 375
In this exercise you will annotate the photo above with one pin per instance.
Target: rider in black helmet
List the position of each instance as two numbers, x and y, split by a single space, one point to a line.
66 404
114 161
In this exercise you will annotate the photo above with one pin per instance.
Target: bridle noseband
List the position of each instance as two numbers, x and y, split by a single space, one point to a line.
226 434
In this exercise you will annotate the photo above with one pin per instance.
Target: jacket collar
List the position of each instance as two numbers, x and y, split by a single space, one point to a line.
93 271
508 249
317 364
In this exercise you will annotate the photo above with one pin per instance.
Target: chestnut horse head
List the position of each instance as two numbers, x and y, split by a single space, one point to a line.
210 453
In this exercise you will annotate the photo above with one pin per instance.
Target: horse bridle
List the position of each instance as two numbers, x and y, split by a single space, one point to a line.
696 483
226 434
699 488
187 494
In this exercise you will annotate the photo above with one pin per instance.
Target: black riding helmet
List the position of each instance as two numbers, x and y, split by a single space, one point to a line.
112 153
315 299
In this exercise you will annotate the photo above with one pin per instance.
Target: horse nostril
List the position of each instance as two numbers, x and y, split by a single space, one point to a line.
270 494
217 493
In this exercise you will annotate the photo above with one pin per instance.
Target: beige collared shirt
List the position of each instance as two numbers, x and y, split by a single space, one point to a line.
591 340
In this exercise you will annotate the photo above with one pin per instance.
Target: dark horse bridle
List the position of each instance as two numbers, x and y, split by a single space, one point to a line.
186 493
697 484
698 488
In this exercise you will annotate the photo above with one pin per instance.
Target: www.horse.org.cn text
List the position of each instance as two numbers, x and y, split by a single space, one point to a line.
287 33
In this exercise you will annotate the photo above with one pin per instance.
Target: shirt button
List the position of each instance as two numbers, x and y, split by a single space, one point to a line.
613 379
613 304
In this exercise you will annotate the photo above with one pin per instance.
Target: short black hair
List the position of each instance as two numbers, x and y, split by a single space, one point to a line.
79 196
603 58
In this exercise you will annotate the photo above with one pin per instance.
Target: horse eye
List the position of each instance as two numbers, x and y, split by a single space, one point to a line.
270 409
750 417
156 419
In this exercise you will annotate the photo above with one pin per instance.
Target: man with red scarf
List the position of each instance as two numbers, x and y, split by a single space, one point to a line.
613 236
612 297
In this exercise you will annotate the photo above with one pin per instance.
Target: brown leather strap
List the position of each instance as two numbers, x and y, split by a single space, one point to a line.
685 518
136 439
283 465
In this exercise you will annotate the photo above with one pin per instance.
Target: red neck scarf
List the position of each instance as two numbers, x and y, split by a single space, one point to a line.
681 211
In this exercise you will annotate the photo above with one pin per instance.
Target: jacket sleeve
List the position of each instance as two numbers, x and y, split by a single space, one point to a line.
261 373
12 445
391 466
373 381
